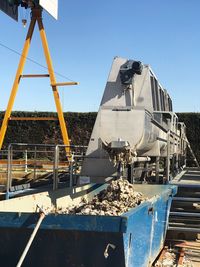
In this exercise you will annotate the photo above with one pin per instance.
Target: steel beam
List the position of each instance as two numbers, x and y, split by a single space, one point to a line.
16 81
53 81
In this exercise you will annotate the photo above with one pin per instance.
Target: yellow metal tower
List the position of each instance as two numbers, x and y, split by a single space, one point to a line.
36 16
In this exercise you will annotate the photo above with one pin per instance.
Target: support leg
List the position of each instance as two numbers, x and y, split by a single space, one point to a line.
16 81
157 170
53 81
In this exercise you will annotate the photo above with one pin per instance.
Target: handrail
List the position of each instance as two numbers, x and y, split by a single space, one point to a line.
10 161
72 160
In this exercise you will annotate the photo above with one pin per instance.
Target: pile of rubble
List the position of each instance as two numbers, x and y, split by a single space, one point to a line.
118 198
168 260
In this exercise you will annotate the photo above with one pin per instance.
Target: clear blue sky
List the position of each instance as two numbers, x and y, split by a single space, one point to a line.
88 34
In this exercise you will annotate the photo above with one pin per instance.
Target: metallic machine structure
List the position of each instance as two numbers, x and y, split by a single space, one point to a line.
135 128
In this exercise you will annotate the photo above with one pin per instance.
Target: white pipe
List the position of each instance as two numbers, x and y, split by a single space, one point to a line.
42 216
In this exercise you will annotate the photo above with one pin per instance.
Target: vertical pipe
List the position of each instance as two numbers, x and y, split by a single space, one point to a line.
26 161
168 158
16 81
71 171
55 168
172 167
11 165
132 172
34 163
157 169
8 172
75 171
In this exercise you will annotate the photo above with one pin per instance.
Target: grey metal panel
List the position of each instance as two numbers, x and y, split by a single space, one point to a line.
11 11
98 169
127 116
113 94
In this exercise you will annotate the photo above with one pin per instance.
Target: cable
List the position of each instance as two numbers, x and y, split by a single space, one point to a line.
35 62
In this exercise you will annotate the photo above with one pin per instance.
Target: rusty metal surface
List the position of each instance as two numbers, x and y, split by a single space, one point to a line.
187 252
181 257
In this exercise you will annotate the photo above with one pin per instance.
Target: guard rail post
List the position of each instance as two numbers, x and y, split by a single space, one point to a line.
8 184
55 167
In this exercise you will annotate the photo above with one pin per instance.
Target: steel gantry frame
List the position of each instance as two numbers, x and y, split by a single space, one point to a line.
36 16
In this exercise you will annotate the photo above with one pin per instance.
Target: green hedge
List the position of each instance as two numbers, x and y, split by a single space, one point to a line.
79 127
192 122
48 132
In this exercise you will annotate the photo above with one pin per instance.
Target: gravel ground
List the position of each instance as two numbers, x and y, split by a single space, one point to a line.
170 260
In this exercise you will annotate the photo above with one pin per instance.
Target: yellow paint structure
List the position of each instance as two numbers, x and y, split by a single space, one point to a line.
36 17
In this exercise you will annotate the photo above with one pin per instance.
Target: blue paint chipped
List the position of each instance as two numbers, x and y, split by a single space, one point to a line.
136 236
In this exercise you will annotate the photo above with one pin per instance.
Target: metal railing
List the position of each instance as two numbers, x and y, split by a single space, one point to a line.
30 159
74 163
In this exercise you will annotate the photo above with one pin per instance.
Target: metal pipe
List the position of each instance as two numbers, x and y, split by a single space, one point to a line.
55 168
71 170
34 75
141 159
26 161
157 169
42 216
186 229
24 144
187 214
168 157
34 164
132 174
8 172
65 84
189 199
11 165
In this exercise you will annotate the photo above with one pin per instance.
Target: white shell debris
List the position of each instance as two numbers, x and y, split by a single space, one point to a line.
168 260
119 197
